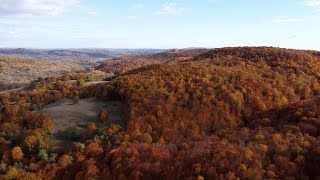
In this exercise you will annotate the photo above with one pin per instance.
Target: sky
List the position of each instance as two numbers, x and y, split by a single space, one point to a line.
159 23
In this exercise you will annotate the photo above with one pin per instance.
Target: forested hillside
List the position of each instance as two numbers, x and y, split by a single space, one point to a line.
126 63
75 54
22 71
230 113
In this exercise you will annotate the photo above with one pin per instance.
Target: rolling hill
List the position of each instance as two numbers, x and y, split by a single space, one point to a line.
227 113
22 71
76 54
126 63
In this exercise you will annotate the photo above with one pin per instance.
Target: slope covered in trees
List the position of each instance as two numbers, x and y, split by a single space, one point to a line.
21 70
248 113
126 63
75 54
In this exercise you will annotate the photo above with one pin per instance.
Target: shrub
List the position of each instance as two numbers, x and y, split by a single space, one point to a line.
73 133
12 173
101 134
34 107
81 82
17 154
103 115
42 155
93 149
3 166
76 99
91 129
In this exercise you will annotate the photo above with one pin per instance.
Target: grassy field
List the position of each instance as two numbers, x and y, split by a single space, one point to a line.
67 114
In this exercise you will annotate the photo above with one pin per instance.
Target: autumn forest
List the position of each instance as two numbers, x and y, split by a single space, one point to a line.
225 113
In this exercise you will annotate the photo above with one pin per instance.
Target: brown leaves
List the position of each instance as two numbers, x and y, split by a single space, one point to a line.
93 149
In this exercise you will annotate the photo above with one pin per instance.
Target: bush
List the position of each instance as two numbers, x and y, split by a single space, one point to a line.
101 134
34 107
12 173
43 155
73 133
17 154
81 82
76 99
3 167
103 115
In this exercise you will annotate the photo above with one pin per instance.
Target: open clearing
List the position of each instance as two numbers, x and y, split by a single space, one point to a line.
67 114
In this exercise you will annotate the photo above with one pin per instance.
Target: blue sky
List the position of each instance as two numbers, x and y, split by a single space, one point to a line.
159 23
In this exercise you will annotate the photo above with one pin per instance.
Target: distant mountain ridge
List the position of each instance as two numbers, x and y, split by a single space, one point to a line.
77 54
180 53
125 63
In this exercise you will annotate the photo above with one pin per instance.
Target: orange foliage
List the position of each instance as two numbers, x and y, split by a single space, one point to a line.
17 154
93 149
231 113
103 115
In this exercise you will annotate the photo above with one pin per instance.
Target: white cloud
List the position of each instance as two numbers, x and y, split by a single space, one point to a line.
311 2
292 36
170 9
35 7
138 6
132 18
92 12
286 20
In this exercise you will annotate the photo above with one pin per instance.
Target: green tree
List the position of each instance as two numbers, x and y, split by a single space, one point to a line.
73 133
